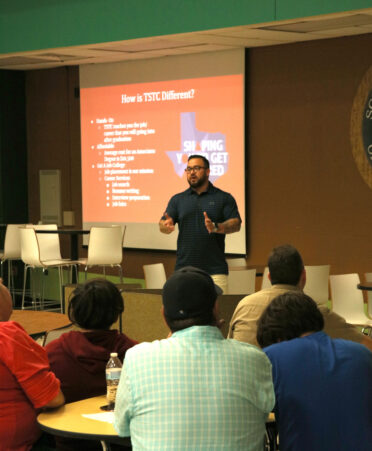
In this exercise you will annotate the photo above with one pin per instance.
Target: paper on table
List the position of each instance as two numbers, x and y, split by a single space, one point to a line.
108 417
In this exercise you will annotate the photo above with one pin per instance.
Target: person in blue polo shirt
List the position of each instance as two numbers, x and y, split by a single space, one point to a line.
322 385
205 214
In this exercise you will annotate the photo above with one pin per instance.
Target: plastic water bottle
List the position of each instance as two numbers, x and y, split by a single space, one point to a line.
113 371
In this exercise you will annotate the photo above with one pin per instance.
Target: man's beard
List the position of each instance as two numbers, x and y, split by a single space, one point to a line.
198 183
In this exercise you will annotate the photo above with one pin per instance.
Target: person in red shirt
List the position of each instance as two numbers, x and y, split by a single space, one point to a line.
79 358
26 382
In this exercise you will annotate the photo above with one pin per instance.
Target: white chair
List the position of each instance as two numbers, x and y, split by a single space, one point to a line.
234 262
12 251
31 257
347 299
49 242
155 276
241 281
50 247
105 248
368 276
265 279
317 279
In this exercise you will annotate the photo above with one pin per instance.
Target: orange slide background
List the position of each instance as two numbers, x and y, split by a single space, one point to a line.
218 106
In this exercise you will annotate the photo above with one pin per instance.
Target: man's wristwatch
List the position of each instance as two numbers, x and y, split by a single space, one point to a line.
215 227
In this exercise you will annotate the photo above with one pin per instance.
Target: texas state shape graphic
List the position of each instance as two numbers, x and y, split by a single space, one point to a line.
210 145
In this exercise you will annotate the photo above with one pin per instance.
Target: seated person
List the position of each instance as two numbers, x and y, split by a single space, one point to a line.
286 273
322 385
194 390
79 358
26 382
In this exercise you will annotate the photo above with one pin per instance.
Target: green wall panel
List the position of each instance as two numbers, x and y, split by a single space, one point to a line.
290 9
39 24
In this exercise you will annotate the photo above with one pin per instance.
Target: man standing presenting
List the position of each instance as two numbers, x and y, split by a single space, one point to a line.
194 390
205 214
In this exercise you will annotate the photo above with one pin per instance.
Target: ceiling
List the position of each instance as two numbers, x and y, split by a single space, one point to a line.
247 36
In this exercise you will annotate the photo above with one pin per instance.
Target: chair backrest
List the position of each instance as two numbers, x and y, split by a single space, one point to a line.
347 299
316 286
368 276
265 279
12 242
48 242
105 245
233 262
241 281
123 229
155 276
30 252
316 282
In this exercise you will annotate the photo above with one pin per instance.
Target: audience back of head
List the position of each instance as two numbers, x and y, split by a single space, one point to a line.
288 316
285 265
95 305
189 298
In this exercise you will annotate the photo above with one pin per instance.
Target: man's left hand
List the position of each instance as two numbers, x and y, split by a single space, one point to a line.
209 224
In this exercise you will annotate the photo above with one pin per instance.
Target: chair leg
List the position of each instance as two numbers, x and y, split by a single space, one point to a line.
42 288
71 273
24 286
272 437
60 270
121 273
32 287
9 278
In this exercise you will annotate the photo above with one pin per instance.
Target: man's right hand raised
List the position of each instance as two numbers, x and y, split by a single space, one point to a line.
166 225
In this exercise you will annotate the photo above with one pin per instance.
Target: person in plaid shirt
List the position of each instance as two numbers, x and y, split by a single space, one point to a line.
194 390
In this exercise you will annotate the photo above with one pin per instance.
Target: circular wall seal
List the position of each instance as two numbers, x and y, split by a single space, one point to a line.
361 128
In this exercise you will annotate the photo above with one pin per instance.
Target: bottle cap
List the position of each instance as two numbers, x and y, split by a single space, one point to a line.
113 354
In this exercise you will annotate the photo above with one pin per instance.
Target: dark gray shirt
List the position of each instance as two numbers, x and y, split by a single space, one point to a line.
195 246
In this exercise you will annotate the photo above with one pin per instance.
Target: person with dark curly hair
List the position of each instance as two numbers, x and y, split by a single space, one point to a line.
322 385
79 358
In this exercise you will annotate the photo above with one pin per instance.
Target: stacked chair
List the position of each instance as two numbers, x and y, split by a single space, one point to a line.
12 252
105 248
368 276
41 252
241 281
155 276
347 300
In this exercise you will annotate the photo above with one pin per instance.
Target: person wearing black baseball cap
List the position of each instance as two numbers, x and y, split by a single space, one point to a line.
189 299
194 390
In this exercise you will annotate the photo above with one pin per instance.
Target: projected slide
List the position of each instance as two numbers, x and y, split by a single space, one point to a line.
136 139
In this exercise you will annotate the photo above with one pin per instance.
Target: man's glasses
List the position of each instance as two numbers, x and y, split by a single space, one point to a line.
194 168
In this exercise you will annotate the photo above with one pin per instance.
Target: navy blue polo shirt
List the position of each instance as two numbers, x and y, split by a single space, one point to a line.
195 246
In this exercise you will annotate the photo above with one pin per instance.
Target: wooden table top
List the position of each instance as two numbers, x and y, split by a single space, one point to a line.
68 421
37 322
